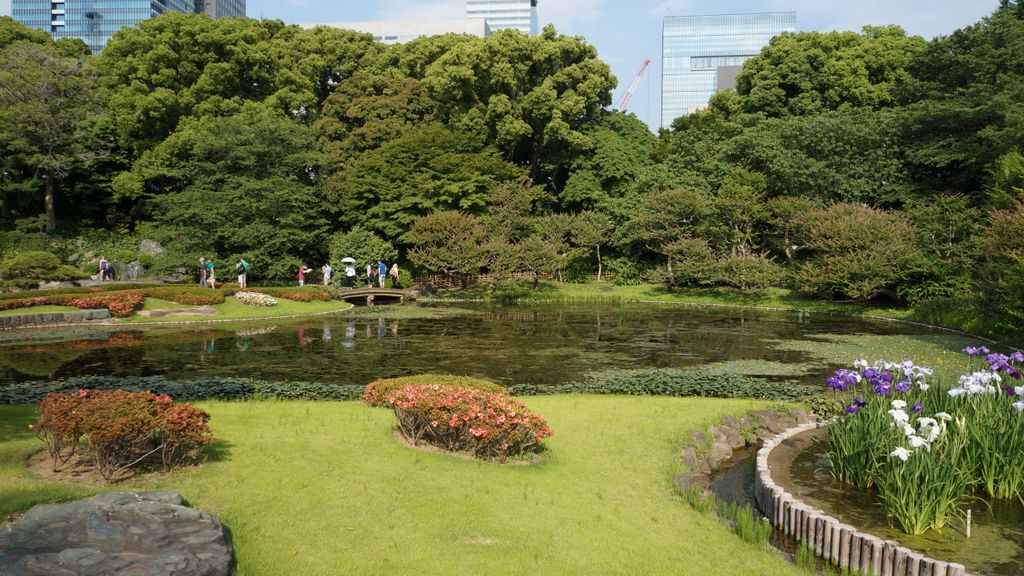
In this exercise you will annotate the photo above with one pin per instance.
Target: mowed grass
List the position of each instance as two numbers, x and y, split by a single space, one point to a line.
232 309
47 309
325 488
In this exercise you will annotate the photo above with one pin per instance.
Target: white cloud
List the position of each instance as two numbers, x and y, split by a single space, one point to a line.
418 10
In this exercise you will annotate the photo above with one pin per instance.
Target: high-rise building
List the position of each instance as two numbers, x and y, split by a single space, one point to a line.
96 21
703 54
501 14
399 31
221 8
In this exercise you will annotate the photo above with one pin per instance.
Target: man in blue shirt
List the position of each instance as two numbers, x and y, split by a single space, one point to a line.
382 272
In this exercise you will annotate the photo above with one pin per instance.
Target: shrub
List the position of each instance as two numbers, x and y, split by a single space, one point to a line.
28 269
491 426
377 392
120 304
302 293
255 299
858 252
122 430
186 295
1000 279
748 272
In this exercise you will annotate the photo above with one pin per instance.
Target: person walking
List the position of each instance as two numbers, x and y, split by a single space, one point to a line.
328 273
350 276
211 276
370 273
393 273
242 270
104 268
202 273
382 273
302 274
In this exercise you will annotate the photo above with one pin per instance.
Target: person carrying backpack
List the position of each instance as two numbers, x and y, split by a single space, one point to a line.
242 271
211 277
302 274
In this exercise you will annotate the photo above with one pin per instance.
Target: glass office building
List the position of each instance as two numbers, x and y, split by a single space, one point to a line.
221 8
96 21
501 14
702 54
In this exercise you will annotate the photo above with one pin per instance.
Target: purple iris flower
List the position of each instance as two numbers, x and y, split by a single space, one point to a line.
1017 356
979 351
917 407
903 386
879 381
858 401
852 409
842 379
1009 391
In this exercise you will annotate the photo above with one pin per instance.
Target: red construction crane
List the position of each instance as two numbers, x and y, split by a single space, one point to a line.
628 95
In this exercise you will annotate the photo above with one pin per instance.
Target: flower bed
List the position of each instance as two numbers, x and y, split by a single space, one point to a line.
488 425
120 303
118 431
255 299
187 295
377 392
302 293
923 445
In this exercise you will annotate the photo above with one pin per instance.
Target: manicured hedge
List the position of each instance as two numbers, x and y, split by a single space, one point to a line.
120 304
378 390
673 382
186 295
301 293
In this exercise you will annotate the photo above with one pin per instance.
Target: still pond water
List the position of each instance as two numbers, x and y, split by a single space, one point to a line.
546 344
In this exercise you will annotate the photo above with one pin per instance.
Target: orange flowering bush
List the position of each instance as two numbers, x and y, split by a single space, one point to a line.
377 392
120 304
117 430
490 425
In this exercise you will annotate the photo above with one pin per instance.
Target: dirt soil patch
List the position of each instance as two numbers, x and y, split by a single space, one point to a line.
193 311
81 472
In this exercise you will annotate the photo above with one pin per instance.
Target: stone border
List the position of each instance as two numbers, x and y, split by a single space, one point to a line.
841 544
48 319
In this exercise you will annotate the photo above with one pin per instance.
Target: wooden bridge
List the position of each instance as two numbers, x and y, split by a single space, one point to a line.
373 295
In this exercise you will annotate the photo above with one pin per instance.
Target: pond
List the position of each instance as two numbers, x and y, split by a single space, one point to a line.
541 344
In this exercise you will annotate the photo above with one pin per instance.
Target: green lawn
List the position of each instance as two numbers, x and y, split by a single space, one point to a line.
47 309
325 488
231 309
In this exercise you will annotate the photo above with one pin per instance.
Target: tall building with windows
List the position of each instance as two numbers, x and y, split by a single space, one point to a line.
501 14
221 8
703 54
96 21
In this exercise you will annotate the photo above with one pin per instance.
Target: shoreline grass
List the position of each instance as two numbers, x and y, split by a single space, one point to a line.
324 487
232 309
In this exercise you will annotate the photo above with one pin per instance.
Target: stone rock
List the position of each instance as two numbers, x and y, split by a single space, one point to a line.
151 247
96 314
690 480
130 271
729 435
144 534
720 452
73 258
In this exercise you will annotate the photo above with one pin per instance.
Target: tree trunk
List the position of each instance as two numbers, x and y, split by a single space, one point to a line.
598 262
51 215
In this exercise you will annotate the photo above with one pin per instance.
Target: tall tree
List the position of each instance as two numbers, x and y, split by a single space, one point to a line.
46 99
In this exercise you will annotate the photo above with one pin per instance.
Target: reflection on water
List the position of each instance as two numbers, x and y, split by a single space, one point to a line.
996 545
511 344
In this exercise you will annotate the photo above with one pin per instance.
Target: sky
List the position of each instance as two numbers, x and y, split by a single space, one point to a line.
627 32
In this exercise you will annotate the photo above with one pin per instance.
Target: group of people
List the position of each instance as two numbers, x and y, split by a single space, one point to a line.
208 273
378 273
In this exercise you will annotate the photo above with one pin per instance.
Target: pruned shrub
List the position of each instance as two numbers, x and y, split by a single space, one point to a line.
456 419
301 293
188 296
28 269
377 392
120 304
118 431
749 272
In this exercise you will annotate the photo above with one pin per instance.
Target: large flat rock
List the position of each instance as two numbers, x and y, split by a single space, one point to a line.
146 534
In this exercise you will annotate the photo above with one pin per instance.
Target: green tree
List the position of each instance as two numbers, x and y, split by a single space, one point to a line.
425 170
46 102
241 185
593 230
1000 281
452 243
530 96
664 222
738 208
363 246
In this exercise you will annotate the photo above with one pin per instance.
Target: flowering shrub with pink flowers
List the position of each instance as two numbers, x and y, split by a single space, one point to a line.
377 392
489 425
116 431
